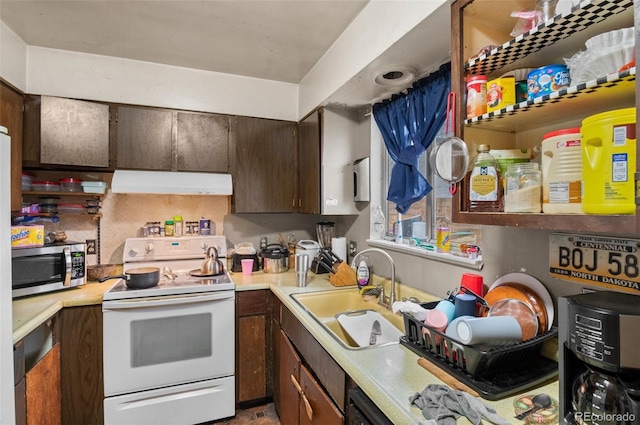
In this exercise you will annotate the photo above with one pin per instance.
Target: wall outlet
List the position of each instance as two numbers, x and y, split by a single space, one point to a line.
263 242
91 246
353 248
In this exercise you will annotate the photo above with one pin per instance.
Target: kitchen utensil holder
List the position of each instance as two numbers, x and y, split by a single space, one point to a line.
495 372
343 276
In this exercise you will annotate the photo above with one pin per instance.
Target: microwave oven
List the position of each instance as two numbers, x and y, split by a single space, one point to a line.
36 270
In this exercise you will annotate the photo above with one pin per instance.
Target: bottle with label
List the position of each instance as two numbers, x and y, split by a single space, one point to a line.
178 225
485 190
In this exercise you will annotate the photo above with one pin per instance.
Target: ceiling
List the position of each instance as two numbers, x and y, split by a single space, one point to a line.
267 39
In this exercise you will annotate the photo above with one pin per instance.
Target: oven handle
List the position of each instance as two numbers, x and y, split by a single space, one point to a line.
165 301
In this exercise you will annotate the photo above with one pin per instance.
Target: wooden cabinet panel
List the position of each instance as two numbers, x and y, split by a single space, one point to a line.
202 142
144 138
254 359
81 365
43 390
309 137
264 166
289 363
328 372
322 410
251 365
74 132
11 105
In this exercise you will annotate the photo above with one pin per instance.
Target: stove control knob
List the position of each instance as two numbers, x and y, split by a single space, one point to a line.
148 247
204 246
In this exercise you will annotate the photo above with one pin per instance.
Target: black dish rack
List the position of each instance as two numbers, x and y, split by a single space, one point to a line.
494 372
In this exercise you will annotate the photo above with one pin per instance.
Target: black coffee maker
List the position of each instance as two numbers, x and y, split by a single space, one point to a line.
599 364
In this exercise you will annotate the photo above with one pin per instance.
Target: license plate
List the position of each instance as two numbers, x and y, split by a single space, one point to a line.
595 260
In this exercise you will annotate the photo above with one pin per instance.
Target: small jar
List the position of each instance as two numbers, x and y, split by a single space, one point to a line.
523 188
168 228
177 225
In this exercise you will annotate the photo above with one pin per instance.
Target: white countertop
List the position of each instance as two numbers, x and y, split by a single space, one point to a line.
389 374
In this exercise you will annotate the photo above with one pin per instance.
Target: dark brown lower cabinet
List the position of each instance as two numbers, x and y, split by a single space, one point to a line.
311 386
254 358
82 383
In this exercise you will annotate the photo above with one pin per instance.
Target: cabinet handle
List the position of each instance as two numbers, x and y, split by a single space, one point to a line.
307 405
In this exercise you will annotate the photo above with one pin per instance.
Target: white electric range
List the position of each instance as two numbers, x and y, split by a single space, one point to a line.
169 350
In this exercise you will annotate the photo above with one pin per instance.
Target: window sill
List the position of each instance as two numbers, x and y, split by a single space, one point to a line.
475 264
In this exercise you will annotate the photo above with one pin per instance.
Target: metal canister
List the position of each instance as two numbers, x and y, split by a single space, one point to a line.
205 226
443 242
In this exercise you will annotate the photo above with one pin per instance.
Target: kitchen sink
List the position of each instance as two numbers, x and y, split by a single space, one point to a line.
324 306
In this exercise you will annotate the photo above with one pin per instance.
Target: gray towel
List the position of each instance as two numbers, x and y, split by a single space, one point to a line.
445 405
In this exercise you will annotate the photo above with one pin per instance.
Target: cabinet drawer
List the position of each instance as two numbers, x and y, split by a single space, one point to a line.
251 303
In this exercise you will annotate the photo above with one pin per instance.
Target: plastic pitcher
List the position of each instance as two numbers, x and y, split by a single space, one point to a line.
561 161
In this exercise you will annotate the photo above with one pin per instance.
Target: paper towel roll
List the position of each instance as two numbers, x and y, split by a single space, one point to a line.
339 247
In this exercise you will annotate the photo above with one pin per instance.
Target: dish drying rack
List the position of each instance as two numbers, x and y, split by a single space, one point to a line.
494 372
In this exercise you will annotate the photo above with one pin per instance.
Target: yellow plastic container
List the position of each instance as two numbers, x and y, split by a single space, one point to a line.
501 93
609 162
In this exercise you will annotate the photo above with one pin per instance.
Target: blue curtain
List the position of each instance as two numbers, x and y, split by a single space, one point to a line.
409 123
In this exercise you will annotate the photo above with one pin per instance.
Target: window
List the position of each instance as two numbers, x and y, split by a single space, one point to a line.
433 211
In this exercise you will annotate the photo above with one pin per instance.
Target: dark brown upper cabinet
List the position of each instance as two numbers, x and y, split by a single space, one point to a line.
202 142
159 139
65 132
264 170
11 117
309 142
144 138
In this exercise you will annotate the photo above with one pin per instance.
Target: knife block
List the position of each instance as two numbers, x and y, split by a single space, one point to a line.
344 275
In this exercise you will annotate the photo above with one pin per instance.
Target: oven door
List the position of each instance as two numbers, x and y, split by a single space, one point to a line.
163 341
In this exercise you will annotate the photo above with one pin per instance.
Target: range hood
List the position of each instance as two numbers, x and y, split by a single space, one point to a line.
171 183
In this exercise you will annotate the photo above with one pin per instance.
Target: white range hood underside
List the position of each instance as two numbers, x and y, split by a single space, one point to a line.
171 183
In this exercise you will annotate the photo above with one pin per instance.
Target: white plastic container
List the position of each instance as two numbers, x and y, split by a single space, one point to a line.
562 172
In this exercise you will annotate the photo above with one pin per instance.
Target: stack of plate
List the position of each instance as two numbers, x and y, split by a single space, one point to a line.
525 289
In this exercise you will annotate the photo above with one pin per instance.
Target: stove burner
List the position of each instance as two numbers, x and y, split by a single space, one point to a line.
198 273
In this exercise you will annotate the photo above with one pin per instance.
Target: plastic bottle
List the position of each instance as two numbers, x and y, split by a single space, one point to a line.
379 223
177 225
485 190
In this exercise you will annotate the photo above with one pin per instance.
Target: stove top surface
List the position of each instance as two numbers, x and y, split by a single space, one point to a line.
183 283
176 258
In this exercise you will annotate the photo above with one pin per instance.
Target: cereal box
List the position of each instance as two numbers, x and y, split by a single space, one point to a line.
23 236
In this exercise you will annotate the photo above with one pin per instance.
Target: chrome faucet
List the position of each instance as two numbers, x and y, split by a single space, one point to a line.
392 292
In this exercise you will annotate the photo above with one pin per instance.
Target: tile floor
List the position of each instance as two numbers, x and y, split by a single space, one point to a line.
258 415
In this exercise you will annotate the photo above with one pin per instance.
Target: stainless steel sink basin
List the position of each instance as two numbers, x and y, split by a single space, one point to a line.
325 305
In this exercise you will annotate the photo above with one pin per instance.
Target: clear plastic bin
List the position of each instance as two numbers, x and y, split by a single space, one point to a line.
71 185
42 186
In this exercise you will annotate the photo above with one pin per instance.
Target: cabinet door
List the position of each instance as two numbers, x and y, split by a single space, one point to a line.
289 364
309 139
144 138
74 132
253 345
320 409
11 104
81 378
43 390
265 166
203 142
